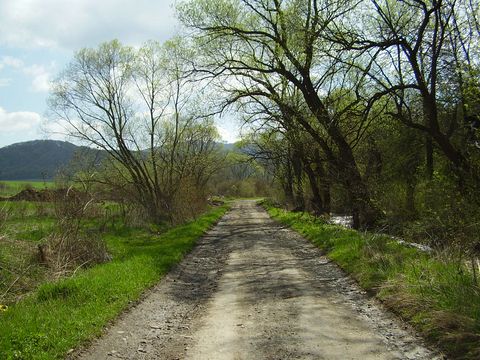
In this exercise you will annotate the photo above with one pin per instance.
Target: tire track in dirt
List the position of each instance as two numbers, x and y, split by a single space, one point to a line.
252 289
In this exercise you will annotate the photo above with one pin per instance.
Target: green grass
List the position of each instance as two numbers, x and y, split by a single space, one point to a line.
434 293
24 216
9 188
62 315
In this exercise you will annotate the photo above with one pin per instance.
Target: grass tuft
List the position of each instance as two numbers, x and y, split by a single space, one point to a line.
55 291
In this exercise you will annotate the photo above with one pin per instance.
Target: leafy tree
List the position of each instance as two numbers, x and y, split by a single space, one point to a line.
246 42
410 51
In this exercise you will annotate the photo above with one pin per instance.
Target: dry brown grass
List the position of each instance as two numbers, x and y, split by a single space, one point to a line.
70 247
188 203
20 271
4 215
68 250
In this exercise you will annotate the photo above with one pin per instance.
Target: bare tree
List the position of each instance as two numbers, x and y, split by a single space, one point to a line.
133 105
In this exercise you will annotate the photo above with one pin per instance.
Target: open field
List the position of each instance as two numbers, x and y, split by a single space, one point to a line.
9 188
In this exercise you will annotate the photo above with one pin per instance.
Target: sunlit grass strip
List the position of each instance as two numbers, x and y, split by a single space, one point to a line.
62 315
437 295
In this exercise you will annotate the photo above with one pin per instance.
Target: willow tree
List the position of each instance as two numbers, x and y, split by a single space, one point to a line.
417 53
136 105
243 40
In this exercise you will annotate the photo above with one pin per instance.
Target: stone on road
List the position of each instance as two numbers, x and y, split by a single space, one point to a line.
252 289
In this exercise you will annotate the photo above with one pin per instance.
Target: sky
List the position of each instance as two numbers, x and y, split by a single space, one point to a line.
39 37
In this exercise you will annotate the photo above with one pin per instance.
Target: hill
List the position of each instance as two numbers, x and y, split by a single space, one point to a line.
38 159
42 159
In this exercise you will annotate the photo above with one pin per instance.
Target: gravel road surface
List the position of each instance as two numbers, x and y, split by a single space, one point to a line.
252 289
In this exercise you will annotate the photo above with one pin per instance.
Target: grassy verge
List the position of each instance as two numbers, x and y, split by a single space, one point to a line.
60 316
434 293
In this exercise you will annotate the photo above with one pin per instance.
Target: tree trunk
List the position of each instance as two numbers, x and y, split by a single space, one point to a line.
365 213
410 199
288 185
326 198
316 201
429 166
461 163
297 171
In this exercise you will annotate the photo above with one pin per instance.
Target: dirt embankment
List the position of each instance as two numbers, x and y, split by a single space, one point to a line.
44 195
252 289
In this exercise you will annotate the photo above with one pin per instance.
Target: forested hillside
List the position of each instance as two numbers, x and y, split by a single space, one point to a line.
38 160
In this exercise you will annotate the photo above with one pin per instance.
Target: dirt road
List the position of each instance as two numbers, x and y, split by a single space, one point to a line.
254 290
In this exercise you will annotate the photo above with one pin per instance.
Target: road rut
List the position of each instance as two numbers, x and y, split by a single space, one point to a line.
252 289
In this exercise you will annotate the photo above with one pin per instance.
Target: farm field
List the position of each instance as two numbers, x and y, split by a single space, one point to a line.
12 187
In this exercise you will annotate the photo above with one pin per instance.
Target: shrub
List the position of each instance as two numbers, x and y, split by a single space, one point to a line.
71 246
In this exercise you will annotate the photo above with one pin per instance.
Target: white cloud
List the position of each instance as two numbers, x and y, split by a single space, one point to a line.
228 134
25 126
21 121
11 61
54 129
19 126
40 77
79 23
4 81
